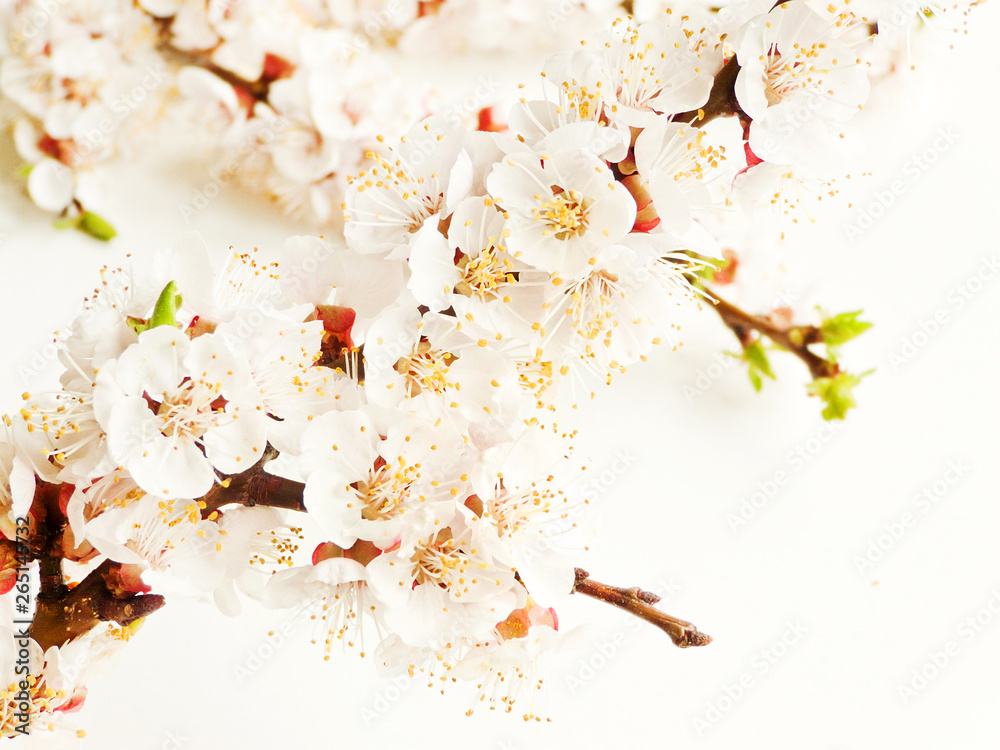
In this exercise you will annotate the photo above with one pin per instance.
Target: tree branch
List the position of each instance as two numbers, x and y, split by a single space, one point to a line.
795 339
63 614
637 602
255 487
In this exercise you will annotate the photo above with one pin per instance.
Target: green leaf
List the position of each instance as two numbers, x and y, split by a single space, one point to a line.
165 311
89 223
837 393
25 171
842 328
756 357
137 324
98 228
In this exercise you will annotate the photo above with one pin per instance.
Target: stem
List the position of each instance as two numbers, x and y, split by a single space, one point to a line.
63 614
255 487
637 602
795 339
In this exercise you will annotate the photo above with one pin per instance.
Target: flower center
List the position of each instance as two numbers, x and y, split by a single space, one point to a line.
565 214
783 74
485 274
383 493
189 410
426 369
590 305
439 561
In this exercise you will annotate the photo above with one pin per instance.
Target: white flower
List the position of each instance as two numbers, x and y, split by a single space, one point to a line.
504 664
433 369
51 185
578 79
428 173
507 671
674 164
335 591
45 703
176 550
797 79
562 208
17 485
640 70
175 409
62 437
445 573
471 273
319 272
209 290
56 682
366 481
258 544
527 494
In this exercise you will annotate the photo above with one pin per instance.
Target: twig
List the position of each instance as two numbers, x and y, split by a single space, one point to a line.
63 613
637 602
255 487
795 339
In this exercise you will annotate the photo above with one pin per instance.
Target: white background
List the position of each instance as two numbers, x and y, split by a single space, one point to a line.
665 521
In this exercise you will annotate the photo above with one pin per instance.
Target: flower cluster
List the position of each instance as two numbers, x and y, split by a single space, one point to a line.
372 429
86 80
254 79
430 498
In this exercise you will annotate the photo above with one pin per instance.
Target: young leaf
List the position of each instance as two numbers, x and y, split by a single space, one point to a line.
842 328
165 311
837 393
98 228
756 357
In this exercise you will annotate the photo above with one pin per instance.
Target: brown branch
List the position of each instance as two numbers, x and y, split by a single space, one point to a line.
637 602
255 487
795 339
63 614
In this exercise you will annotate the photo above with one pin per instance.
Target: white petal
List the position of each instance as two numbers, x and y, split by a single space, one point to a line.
170 466
50 185
432 269
235 446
